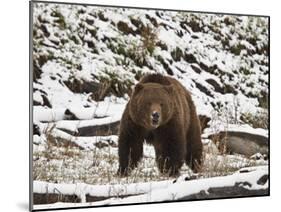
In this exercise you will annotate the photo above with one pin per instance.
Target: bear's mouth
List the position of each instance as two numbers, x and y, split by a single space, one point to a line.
155 123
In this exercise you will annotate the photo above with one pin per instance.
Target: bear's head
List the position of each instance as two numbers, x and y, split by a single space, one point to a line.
151 104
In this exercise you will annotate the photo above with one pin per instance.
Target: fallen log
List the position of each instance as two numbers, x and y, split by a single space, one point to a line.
246 182
100 130
61 138
94 130
226 192
48 193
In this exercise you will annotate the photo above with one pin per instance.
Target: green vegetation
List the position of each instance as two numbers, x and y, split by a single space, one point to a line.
60 19
236 49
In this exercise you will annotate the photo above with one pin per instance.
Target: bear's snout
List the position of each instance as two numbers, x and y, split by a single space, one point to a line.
155 117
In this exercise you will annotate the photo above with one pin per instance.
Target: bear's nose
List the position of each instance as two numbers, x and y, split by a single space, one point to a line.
155 116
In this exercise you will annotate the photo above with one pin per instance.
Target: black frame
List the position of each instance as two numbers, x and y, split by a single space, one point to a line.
31 101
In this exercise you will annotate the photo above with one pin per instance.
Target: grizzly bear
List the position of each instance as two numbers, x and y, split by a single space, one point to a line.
162 113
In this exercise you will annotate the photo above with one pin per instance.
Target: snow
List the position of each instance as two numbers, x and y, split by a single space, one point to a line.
207 54
182 189
46 114
152 191
98 190
111 108
85 142
236 128
38 139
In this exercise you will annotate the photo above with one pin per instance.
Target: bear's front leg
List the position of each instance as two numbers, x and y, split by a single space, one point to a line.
130 151
130 147
170 152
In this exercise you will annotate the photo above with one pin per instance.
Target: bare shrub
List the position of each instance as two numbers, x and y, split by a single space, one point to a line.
258 120
149 38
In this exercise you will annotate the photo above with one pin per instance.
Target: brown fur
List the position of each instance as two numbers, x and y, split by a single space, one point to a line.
176 133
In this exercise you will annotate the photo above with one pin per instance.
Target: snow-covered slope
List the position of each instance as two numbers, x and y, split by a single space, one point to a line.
82 54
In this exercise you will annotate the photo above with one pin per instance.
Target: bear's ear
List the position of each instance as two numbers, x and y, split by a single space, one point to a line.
138 87
169 88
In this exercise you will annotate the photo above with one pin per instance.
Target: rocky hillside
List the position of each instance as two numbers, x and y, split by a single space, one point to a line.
84 54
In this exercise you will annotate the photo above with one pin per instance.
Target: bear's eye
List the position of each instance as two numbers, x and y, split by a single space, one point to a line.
161 104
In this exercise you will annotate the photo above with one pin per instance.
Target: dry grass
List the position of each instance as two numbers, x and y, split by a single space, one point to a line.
223 164
98 166
258 120
59 161
70 164
149 37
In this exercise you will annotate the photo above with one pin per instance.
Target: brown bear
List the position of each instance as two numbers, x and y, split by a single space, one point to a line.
162 113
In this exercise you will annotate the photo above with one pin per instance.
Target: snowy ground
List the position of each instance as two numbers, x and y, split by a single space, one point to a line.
249 179
86 61
94 165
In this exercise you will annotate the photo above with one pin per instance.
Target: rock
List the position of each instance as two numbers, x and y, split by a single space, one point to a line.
194 25
46 101
102 17
263 179
196 69
204 66
36 130
152 20
137 22
184 26
37 71
240 143
203 89
89 21
165 65
45 30
123 27
230 89
98 90
162 45
216 85
190 58
194 36
70 115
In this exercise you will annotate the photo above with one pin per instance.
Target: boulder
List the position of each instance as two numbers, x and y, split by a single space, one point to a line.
243 143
